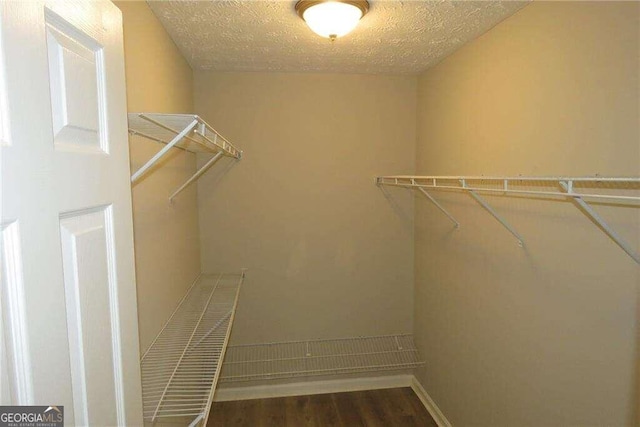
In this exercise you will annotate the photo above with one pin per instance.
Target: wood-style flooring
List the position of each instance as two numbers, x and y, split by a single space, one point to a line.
373 408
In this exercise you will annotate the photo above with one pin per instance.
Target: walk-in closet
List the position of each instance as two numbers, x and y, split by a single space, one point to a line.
320 213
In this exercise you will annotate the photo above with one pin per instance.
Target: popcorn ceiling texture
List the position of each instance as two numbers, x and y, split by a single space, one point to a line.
395 37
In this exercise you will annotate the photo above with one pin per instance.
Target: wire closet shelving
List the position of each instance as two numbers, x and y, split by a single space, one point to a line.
181 368
319 357
184 131
579 190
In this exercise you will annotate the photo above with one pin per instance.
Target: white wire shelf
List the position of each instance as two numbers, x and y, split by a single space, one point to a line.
320 357
181 368
185 131
621 191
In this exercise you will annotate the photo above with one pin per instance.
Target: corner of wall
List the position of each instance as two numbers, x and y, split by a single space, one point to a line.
166 235
552 90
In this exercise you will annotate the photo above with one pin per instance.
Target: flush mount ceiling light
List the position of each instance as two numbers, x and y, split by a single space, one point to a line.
332 18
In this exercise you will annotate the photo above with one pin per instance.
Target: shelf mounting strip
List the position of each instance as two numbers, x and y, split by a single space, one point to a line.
528 185
181 368
185 131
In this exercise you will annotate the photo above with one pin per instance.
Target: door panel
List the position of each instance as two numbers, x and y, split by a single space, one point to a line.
4 119
5 381
87 251
76 75
65 181
15 372
15 359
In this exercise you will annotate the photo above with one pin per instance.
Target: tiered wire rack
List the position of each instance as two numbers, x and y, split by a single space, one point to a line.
184 131
320 357
181 368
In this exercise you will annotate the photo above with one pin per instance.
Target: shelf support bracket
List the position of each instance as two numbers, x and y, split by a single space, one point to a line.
591 213
197 175
495 214
196 420
439 206
164 151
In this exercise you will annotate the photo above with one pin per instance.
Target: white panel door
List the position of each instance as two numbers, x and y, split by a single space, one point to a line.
69 313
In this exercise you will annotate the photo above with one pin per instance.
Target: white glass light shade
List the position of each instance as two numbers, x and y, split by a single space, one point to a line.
332 19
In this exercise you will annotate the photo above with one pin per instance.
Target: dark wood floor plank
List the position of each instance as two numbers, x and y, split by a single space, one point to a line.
325 412
348 411
398 400
299 412
216 415
237 413
421 412
374 415
374 408
399 411
272 413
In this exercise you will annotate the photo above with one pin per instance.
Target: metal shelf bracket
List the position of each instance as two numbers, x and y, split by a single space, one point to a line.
503 185
495 214
196 136
164 151
439 206
591 213
197 175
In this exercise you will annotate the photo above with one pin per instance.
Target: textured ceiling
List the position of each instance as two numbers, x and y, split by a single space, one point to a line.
394 37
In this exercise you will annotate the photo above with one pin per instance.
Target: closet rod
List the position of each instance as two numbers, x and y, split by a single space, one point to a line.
504 185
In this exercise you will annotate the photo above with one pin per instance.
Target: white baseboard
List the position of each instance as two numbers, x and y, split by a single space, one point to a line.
334 386
312 387
428 403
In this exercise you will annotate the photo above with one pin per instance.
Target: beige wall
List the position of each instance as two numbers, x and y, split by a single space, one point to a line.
329 255
166 235
546 335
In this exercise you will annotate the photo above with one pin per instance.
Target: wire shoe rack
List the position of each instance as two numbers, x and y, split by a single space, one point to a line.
319 357
181 368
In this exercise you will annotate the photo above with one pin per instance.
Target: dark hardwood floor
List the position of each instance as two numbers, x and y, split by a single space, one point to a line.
374 408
